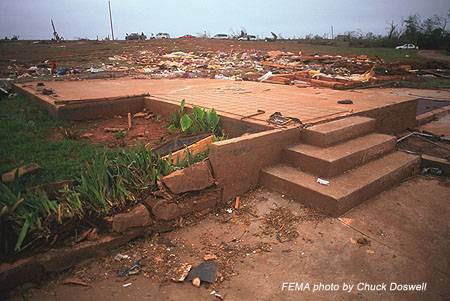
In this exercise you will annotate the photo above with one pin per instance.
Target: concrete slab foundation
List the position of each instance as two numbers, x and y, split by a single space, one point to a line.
236 162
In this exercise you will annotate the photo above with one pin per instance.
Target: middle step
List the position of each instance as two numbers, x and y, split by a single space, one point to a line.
334 160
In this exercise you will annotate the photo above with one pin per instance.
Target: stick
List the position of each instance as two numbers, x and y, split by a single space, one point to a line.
236 206
129 121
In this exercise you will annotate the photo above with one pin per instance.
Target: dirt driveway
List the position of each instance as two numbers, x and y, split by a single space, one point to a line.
400 237
434 55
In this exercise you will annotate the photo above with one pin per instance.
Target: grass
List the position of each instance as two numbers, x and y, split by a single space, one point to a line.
107 179
28 135
386 54
427 83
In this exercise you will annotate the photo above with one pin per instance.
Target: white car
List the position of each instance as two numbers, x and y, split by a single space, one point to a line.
220 36
162 35
248 38
407 46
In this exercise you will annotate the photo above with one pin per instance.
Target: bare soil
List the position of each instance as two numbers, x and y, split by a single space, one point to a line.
152 131
395 237
434 55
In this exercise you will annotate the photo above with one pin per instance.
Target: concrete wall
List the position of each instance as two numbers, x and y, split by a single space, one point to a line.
236 162
100 109
395 118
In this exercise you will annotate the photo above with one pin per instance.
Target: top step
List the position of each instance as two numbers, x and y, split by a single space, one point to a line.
330 133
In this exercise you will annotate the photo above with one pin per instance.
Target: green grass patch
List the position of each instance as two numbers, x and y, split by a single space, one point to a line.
28 135
427 83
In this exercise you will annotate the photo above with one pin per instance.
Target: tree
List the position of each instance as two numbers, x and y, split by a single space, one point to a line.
392 30
412 27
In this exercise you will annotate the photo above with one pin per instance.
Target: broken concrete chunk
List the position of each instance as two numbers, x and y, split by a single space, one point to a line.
137 217
9 176
194 178
181 272
165 210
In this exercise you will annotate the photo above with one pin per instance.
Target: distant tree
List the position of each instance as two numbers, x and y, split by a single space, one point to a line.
412 27
392 30
14 38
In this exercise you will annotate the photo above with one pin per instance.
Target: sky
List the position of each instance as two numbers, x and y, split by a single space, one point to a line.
30 19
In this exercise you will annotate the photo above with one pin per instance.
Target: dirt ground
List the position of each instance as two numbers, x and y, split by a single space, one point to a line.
148 129
400 236
434 55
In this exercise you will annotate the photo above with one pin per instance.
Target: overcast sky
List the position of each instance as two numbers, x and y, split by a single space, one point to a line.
30 19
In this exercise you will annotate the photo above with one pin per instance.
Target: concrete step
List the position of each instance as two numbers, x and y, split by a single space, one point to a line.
346 190
334 160
341 130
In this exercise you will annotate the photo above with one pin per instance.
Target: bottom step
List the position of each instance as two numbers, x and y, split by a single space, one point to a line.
346 190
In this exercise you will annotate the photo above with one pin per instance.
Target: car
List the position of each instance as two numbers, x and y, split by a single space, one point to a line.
135 36
407 46
162 35
188 36
248 37
220 36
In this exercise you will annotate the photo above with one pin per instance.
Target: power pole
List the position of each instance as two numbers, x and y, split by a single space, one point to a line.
332 36
110 18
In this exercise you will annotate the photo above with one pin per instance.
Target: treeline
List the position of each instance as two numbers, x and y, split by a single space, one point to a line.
431 33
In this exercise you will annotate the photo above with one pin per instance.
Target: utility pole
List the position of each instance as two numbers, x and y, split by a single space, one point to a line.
332 36
110 18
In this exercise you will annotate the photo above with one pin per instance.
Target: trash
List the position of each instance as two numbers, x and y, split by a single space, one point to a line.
345 102
206 271
323 182
236 206
119 257
363 241
277 119
133 269
229 210
265 76
126 284
48 91
40 87
432 171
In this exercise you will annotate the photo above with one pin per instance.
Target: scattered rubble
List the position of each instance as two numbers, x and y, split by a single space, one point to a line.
279 67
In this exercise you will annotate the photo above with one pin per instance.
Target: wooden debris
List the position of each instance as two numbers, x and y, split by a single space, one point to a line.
113 130
195 148
9 176
209 257
75 281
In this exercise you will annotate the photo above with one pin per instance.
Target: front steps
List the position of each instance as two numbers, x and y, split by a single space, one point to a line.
357 162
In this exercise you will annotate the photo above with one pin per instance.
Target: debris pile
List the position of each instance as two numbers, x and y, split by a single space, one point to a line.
281 222
279 67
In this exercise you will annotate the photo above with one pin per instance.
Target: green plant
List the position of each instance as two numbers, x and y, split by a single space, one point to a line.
171 128
200 121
